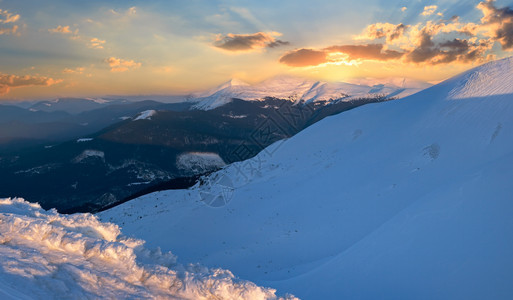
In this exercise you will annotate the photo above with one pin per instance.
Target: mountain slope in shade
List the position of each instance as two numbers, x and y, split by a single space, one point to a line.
295 89
73 105
407 199
45 255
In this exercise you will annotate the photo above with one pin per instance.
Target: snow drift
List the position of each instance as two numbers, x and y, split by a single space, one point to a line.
47 255
406 199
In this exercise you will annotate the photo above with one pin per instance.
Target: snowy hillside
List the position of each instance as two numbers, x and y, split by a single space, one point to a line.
406 199
199 162
46 256
145 115
293 88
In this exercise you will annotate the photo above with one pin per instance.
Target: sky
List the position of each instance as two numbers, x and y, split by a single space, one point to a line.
58 48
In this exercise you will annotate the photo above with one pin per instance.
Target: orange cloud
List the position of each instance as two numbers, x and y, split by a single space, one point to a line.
78 70
383 30
60 29
304 58
248 42
6 18
121 65
423 43
14 81
344 54
429 10
9 30
96 43
369 52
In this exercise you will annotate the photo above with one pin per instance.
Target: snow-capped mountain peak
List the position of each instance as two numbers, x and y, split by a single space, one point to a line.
294 89
236 82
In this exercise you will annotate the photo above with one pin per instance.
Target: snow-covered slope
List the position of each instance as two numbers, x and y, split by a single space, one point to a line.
145 115
45 255
199 162
293 88
406 199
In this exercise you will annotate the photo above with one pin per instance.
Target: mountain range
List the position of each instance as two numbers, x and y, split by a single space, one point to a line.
300 89
87 157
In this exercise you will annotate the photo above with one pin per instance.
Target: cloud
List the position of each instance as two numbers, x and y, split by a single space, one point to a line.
499 22
383 30
14 81
344 54
248 42
367 52
9 30
429 10
121 65
304 57
78 70
427 43
6 18
96 43
60 29
459 50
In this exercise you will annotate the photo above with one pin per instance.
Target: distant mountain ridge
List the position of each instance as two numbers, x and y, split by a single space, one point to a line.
299 89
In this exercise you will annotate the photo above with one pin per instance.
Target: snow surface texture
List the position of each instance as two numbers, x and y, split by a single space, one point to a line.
145 115
82 140
199 162
295 89
45 255
406 199
88 154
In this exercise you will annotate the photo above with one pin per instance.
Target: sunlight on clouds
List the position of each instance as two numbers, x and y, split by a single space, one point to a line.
7 82
383 30
79 70
96 43
6 18
429 10
60 29
121 65
338 59
190 45
422 43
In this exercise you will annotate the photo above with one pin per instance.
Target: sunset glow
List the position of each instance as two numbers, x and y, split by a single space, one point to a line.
94 48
